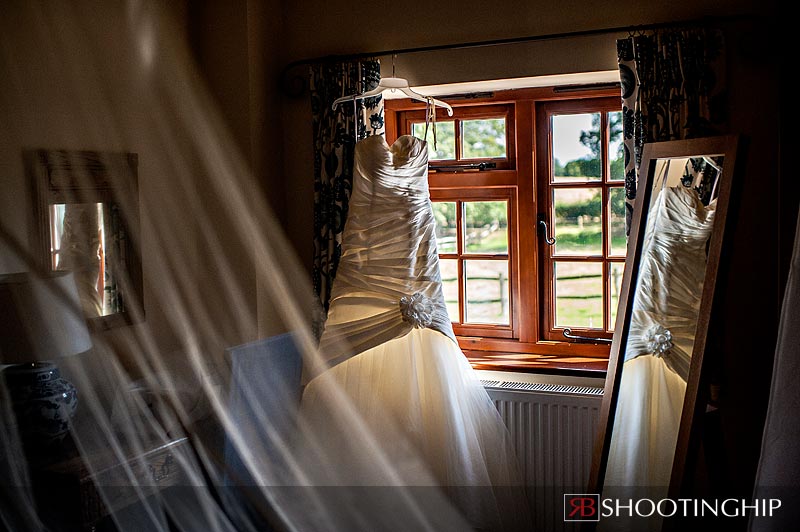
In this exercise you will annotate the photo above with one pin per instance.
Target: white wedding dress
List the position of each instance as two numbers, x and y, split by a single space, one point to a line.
388 342
660 342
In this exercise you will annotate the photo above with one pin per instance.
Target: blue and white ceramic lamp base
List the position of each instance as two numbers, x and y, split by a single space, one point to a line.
43 402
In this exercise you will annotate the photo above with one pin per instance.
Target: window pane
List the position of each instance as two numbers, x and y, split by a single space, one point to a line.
579 294
449 271
576 147
616 150
616 221
446 227
615 271
486 226
487 291
445 140
483 139
578 227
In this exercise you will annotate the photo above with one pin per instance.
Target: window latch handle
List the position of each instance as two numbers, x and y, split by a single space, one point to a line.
568 334
543 225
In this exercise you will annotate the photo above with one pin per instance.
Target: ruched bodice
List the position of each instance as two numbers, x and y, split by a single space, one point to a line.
670 285
388 280
388 345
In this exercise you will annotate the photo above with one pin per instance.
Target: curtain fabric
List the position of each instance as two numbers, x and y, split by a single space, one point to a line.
672 88
779 464
335 136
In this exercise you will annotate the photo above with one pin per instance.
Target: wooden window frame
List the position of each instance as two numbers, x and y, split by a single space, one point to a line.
460 114
528 348
466 195
544 159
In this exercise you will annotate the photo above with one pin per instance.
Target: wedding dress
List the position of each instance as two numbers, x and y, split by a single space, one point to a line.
660 342
389 344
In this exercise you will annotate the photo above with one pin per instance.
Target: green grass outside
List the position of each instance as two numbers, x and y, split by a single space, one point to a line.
574 309
497 242
573 239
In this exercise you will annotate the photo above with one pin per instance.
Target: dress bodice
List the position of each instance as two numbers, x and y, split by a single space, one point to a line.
671 275
388 279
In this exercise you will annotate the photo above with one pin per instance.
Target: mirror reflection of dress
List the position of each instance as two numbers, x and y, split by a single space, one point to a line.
660 341
80 253
389 343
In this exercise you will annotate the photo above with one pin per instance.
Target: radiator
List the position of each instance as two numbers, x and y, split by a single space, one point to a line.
553 427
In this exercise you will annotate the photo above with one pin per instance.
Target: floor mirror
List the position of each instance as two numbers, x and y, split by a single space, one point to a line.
655 372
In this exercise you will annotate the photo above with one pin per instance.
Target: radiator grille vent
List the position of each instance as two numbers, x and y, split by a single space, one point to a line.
553 427
542 387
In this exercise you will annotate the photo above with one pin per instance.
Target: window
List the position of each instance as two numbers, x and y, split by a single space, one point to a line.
583 195
474 252
474 138
500 165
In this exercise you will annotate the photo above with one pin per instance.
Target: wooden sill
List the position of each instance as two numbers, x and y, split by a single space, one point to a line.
587 360
529 363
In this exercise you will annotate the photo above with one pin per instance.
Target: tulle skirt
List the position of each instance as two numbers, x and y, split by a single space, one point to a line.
421 398
643 441
646 425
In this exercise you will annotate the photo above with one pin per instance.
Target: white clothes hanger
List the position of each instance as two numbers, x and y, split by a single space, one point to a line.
393 84
709 161
718 168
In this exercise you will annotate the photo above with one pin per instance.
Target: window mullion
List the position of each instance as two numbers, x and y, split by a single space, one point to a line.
606 296
462 284
457 130
605 212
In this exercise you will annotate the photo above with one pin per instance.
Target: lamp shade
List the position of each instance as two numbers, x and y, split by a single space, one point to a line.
41 318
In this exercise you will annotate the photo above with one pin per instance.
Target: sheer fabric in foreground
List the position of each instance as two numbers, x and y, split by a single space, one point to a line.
658 352
404 370
207 369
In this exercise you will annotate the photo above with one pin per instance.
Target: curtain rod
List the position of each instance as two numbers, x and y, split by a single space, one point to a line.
516 40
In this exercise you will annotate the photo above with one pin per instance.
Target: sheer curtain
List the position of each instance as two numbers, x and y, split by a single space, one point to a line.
119 76
779 466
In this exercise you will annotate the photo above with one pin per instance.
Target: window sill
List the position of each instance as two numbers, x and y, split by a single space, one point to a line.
548 364
586 360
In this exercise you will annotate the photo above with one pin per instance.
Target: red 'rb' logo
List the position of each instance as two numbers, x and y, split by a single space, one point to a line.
581 507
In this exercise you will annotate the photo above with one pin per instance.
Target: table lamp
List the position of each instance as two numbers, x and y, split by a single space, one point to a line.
41 320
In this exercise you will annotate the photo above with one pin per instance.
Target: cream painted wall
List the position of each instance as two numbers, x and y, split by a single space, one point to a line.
322 27
50 102
239 47
72 80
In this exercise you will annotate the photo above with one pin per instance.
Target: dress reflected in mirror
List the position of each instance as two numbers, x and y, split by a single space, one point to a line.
660 341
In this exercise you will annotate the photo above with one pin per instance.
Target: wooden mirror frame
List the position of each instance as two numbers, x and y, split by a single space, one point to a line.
694 399
64 176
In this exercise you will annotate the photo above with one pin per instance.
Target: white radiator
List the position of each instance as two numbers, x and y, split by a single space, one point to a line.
553 427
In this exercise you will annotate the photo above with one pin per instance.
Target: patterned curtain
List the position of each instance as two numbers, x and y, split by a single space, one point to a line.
672 88
335 136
